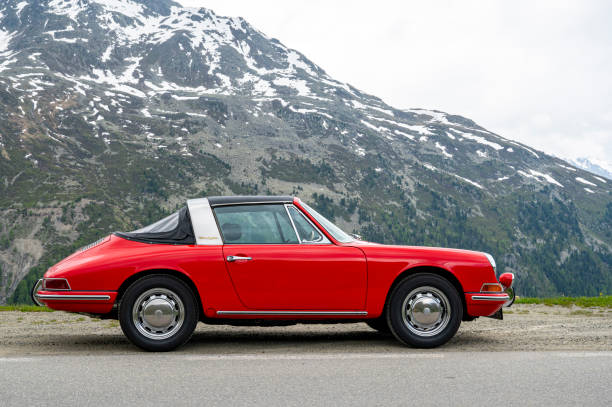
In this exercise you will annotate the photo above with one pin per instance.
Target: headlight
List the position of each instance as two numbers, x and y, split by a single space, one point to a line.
492 261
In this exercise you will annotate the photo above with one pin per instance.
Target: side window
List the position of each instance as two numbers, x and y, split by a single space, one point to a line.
307 232
255 224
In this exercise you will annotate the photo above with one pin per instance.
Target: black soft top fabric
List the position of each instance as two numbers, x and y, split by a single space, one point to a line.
247 199
182 234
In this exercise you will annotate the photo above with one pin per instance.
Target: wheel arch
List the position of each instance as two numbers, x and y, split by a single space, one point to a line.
440 271
174 273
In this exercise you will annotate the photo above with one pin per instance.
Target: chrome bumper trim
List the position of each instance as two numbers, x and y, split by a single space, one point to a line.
79 297
35 291
292 313
505 297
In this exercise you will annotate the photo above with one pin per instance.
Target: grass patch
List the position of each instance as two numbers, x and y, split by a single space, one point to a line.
604 301
582 312
24 308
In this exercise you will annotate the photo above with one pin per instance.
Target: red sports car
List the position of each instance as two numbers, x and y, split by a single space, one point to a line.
270 260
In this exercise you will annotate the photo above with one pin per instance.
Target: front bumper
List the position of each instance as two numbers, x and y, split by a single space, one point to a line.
97 302
490 297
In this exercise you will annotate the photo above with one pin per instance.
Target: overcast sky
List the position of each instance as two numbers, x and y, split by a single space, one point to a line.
535 71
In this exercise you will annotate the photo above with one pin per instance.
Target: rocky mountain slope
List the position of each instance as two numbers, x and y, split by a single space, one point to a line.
114 112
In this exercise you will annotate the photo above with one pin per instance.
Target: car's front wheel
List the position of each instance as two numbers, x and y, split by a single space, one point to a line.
158 313
424 310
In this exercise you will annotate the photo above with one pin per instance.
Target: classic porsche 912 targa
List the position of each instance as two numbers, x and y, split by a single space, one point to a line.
270 260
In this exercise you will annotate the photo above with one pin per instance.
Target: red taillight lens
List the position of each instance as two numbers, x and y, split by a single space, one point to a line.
491 288
55 284
506 280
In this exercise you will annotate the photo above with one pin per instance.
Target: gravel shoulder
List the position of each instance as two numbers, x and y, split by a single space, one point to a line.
524 328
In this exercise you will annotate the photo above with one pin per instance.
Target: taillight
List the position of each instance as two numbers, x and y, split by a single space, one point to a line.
55 284
491 288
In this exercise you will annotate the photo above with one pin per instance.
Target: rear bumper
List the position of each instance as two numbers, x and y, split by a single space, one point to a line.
95 302
485 304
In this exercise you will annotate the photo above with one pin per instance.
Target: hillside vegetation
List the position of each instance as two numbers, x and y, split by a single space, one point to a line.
112 114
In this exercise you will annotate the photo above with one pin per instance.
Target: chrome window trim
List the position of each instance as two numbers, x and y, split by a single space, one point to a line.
88 297
249 203
305 207
292 313
253 244
325 239
292 223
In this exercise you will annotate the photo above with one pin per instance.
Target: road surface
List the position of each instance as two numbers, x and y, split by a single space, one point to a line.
424 378
544 356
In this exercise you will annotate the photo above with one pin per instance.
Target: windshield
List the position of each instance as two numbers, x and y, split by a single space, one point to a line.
333 230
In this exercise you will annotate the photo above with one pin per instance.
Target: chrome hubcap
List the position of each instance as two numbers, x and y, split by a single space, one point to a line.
158 313
426 311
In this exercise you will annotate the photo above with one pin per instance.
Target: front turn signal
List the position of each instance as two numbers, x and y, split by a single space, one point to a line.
491 288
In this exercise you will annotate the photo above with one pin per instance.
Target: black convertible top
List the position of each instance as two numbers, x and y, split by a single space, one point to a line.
177 228
174 229
248 199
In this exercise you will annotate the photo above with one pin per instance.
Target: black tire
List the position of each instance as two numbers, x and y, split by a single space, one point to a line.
379 324
421 327
168 322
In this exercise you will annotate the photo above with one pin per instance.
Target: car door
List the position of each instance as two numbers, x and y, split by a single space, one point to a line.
273 267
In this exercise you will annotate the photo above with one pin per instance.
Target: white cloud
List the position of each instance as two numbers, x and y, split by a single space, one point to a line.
537 72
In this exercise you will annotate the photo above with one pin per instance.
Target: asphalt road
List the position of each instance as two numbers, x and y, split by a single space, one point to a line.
295 379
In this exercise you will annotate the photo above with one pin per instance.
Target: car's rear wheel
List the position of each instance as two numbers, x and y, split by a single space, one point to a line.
424 310
158 313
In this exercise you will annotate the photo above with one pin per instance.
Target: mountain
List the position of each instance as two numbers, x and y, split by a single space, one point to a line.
593 165
112 113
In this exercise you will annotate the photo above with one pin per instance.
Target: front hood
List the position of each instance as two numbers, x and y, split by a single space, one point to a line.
412 250
471 268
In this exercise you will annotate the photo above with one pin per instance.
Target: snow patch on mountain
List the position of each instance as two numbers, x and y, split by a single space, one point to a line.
5 39
585 182
436 116
540 176
297 84
524 148
443 149
469 181
478 139
19 7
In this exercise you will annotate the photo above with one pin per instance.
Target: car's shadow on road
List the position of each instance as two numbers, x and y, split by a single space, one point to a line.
262 338
319 339
226 340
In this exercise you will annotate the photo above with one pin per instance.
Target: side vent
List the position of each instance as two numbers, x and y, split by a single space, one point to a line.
94 244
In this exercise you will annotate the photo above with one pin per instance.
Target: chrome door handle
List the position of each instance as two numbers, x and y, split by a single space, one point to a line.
234 258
